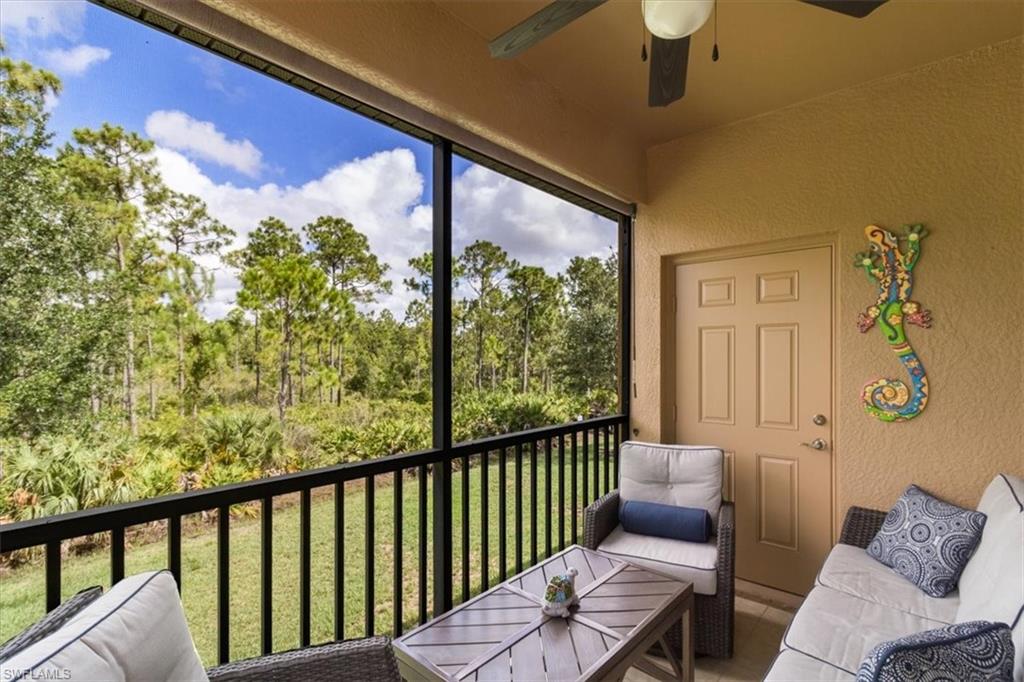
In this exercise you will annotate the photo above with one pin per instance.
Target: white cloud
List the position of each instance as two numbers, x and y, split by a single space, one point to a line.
383 196
76 60
380 194
214 76
534 227
42 18
201 139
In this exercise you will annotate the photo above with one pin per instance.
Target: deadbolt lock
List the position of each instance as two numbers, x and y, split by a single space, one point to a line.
819 419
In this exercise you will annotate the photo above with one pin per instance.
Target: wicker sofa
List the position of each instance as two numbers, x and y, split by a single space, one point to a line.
137 630
858 603
714 580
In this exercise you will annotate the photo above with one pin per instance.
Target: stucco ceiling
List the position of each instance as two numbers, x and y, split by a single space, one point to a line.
773 53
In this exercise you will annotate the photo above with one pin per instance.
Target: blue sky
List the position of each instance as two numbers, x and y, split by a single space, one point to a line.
148 70
251 146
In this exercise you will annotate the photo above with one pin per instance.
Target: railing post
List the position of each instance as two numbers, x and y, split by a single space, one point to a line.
174 548
305 570
52 574
370 547
116 555
442 373
267 575
339 560
396 589
422 575
223 584
466 587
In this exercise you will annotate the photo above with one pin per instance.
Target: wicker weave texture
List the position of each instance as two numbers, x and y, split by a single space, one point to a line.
715 614
371 658
600 518
860 526
50 623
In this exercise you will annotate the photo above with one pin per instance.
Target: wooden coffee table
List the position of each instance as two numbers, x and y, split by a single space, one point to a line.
502 634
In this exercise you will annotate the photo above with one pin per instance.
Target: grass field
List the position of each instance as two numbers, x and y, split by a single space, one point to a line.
22 595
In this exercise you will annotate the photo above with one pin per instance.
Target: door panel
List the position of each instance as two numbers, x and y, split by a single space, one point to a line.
717 292
754 359
716 375
777 385
777 502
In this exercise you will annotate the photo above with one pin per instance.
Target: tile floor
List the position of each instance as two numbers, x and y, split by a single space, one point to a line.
759 630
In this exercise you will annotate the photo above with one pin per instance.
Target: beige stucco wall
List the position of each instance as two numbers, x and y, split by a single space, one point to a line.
942 145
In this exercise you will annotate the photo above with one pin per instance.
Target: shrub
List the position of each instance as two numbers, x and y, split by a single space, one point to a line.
479 415
357 429
391 436
231 446
158 472
58 474
53 474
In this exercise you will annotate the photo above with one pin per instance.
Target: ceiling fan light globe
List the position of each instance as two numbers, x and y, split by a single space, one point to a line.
674 19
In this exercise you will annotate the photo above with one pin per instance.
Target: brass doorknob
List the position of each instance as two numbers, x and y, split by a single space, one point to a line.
816 444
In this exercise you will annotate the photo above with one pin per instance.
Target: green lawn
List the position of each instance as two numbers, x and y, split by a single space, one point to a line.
22 590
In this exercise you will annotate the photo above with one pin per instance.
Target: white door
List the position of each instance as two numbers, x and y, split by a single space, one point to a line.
754 377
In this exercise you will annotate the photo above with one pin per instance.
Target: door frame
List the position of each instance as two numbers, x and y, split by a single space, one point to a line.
668 333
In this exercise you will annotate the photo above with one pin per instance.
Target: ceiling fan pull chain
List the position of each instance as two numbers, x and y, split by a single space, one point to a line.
714 50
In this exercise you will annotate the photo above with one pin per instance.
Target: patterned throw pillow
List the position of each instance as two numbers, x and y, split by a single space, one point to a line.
927 541
50 623
978 651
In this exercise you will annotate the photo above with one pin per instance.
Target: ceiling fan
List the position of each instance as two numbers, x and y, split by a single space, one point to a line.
671 23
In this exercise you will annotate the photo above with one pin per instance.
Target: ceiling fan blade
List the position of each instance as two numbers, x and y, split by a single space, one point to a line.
668 70
851 8
539 26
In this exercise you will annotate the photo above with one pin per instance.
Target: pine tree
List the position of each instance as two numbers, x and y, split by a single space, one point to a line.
112 178
535 297
352 269
484 266
184 222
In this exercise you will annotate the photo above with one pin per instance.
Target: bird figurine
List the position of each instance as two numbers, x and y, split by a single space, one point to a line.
560 594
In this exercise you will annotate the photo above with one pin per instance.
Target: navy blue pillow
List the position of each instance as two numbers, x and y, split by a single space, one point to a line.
927 541
665 521
978 650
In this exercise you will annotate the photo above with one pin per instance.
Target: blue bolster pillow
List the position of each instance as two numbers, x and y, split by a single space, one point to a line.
665 521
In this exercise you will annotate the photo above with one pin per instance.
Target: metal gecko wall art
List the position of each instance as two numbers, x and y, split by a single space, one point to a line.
891 400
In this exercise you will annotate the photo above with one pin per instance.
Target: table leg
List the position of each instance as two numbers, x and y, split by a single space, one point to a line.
674 661
687 662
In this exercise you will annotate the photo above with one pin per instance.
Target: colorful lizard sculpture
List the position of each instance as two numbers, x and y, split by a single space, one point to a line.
890 399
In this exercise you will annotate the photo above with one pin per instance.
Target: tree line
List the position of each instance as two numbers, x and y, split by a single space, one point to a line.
105 273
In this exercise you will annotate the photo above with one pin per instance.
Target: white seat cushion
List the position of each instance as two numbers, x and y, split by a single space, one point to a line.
841 629
692 562
851 570
992 584
790 666
136 631
679 475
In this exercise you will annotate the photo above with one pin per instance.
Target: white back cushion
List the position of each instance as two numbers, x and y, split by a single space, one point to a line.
679 475
136 631
992 584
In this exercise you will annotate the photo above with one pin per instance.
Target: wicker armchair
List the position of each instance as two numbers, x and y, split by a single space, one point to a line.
371 658
860 526
714 621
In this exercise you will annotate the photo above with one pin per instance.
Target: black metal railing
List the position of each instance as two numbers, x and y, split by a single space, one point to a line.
588 449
